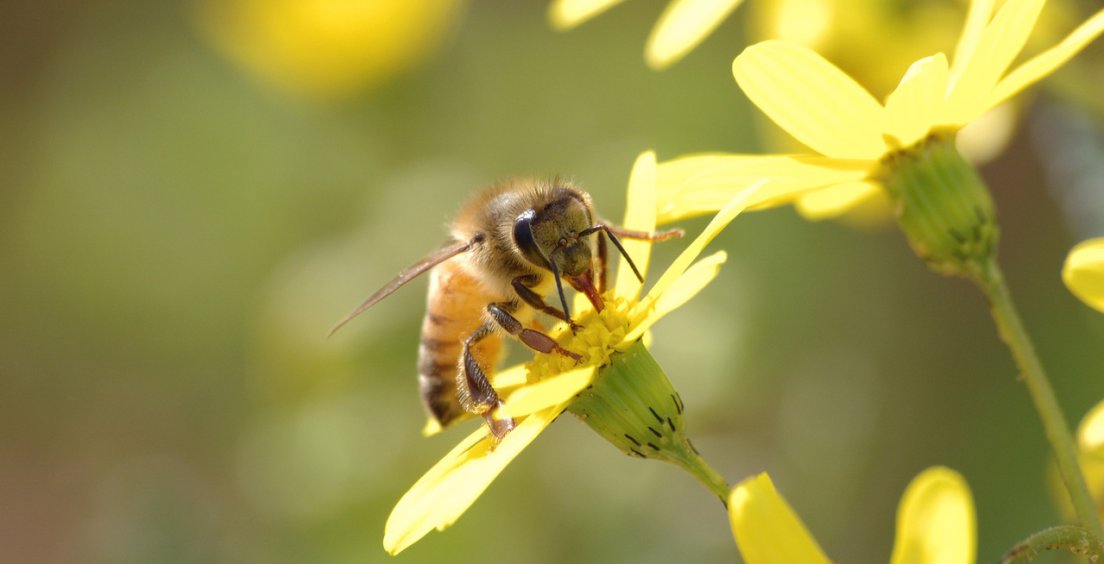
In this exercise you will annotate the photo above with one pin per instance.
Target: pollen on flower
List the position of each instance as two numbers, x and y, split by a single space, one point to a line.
594 340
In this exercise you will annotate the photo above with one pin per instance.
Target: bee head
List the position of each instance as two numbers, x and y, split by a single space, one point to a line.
555 237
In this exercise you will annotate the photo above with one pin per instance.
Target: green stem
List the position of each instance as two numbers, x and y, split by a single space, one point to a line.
1011 328
1066 537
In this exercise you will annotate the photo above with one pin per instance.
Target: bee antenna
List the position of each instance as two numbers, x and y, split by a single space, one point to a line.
559 283
616 243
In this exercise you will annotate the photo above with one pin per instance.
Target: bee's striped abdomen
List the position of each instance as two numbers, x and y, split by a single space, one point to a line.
454 310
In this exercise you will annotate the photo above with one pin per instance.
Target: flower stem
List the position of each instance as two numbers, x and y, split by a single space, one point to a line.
991 280
1066 537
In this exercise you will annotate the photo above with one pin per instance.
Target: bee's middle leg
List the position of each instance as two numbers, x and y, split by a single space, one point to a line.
532 338
474 390
521 286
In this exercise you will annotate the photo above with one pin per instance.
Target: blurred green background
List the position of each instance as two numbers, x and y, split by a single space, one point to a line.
177 236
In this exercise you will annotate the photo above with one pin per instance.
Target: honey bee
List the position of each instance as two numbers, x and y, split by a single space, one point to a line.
511 245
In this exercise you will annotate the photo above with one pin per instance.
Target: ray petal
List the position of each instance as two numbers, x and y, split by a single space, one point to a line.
835 200
694 280
547 393
811 99
684 25
688 255
914 106
640 215
1083 272
978 15
935 521
1041 65
766 529
444 493
1000 42
566 14
700 184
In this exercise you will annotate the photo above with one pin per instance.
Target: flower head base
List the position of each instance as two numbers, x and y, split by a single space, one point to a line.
634 407
629 402
941 204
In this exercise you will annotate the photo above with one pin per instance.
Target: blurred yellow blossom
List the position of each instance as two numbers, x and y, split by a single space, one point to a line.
935 523
852 133
1083 272
1090 446
683 25
326 49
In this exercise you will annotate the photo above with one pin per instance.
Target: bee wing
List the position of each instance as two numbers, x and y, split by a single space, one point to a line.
411 272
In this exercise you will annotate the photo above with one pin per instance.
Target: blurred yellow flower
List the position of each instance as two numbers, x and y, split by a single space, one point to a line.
326 49
537 393
851 132
1090 446
1083 272
683 25
935 523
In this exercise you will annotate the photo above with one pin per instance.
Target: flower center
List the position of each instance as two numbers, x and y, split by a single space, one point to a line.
593 339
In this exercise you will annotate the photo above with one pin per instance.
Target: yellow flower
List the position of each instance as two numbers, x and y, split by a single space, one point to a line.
538 392
935 523
326 49
852 133
1090 447
1083 274
683 25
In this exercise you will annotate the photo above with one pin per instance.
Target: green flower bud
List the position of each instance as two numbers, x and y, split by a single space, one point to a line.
941 204
633 405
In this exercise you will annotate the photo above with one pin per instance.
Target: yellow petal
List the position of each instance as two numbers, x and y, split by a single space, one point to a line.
976 18
547 393
640 215
442 495
683 25
683 261
915 105
504 381
512 377
1048 61
1090 434
432 427
935 521
986 137
811 99
696 278
999 44
566 14
699 184
327 49
835 200
766 529
1083 272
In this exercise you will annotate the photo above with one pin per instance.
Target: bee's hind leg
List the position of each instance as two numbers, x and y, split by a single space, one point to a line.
474 390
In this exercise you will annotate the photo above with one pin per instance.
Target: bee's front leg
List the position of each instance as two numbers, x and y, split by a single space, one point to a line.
501 314
522 285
